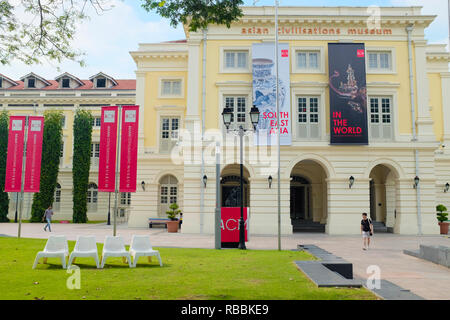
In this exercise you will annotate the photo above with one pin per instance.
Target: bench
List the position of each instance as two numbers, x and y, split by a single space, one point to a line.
152 221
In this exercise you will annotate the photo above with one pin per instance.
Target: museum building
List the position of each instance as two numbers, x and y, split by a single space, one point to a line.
398 174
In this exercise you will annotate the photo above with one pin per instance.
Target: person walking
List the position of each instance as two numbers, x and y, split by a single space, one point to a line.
366 230
48 217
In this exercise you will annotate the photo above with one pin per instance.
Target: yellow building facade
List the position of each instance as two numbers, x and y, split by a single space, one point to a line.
33 95
315 190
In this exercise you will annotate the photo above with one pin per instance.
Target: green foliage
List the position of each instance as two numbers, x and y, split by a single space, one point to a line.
4 200
442 216
195 13
82 137
173 212
51 150
47 31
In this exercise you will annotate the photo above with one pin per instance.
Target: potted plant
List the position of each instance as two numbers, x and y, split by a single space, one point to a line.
442 217
173 224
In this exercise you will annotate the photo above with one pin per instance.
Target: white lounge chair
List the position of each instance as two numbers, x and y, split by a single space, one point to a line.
141 247
85 247
114 247
56 247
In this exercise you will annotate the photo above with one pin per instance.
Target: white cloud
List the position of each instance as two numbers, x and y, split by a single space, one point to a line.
106 39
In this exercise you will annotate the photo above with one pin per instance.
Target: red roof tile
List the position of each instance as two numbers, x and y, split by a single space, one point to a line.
126 84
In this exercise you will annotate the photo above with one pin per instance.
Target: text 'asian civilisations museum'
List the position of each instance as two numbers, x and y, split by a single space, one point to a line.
364 121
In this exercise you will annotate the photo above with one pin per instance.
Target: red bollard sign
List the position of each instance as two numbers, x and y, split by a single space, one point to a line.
230 224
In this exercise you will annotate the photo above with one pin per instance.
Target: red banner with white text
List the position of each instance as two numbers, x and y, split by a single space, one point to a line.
108 147
230 224
129 148
34 154
14 161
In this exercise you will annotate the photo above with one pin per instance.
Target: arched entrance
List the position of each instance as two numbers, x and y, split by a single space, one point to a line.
383 189
308 197
230 186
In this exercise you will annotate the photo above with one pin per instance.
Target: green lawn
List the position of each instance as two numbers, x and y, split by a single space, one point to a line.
186 274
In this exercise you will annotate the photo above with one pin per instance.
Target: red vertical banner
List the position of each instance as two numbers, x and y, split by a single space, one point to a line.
14 161
34 154
108 148
129 148
230 224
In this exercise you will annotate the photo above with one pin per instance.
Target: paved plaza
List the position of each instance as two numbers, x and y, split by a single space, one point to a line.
426 279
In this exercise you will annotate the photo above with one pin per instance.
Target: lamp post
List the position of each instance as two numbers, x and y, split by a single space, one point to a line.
109 210
227 114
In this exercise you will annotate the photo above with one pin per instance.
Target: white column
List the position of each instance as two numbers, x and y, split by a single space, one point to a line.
193 90
424 121
445 85
140 101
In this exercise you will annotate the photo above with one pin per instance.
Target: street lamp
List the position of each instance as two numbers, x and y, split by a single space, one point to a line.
447 187
416 182
205 180
227 114
270 179
351 181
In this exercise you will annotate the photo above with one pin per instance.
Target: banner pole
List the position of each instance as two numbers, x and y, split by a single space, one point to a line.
23 176
278 125
117 172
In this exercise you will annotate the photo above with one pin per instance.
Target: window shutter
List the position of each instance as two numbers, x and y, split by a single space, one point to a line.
375 130
302 130
387 131
314 130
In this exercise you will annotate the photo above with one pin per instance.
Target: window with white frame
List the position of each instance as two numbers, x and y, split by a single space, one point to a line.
170 127
380 60
238 105
61 154
96 122
57 202
381 124
308 117
168 193
125 198
63 121
236 59
308 60
171 88
95 153
92 197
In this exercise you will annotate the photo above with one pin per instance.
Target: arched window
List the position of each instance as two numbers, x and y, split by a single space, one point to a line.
57 203
168 193
92 197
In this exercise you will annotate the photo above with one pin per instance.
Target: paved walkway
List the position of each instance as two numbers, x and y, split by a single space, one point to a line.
426 279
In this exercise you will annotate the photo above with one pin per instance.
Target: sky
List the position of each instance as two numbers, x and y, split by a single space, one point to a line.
107 39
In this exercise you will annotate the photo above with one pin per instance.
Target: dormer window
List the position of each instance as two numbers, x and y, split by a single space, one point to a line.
31 83
65 83
101 83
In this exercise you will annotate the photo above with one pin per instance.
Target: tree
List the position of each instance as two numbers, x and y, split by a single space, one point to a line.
82 137
4 200
442 215
34 29
198 14
51 152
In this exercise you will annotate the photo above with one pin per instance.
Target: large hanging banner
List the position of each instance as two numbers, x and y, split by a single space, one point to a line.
348 93
264 93
108 148
14 161
34 154
129 148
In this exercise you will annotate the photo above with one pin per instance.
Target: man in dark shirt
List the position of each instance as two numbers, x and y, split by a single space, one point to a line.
366 230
